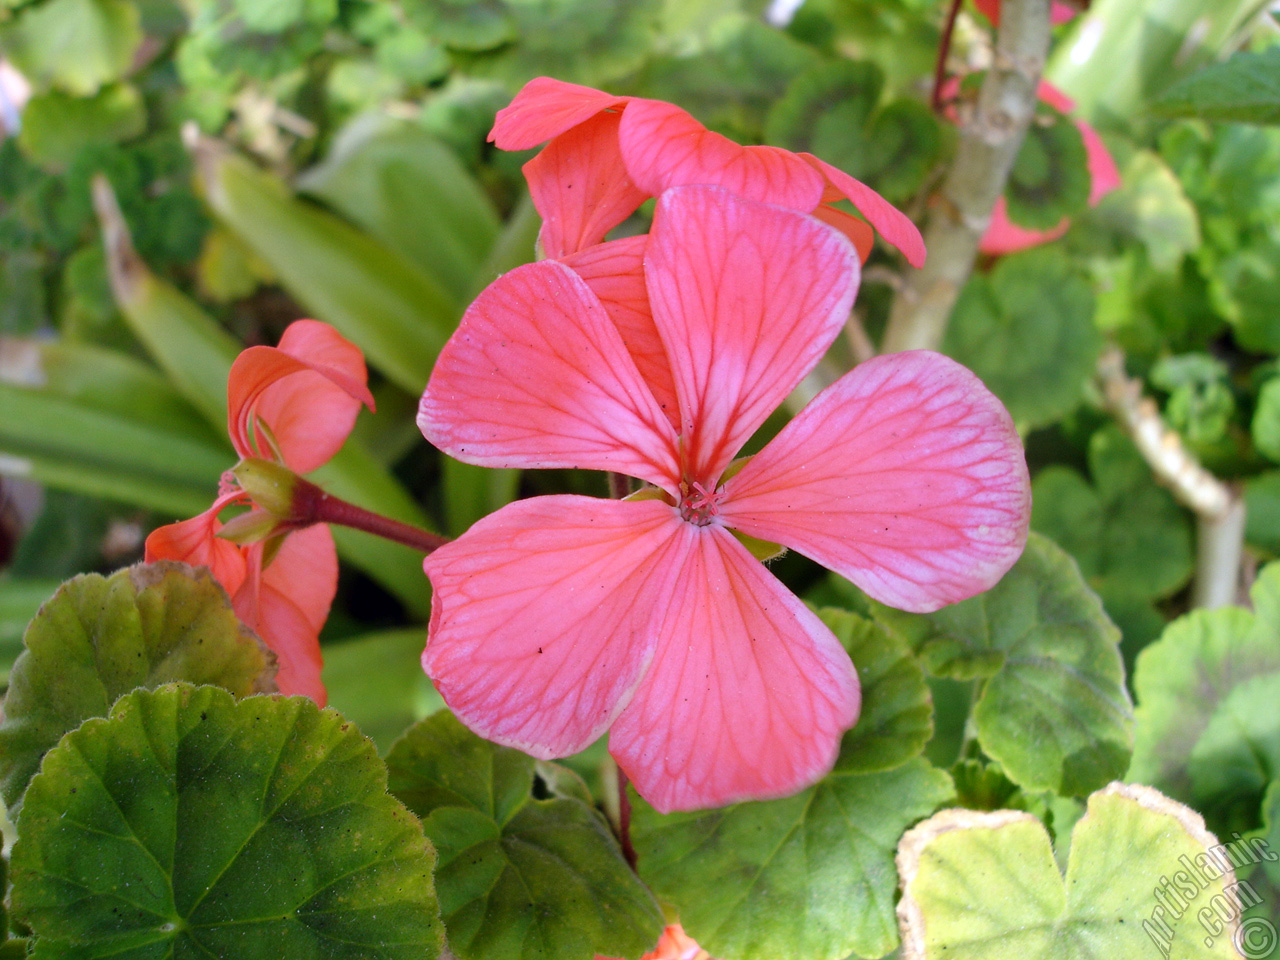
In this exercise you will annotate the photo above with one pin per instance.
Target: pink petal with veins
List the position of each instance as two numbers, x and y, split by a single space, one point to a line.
888 221
663 146
290 604
906 476
308 390
858 231
748 694
546 108
580 187
537 375
541 616
615 273
746 297
195 541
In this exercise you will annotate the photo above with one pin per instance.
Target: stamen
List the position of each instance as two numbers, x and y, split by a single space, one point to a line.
700 505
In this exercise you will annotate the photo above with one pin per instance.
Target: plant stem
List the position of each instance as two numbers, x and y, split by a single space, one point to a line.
989 144
944 47
624 820
320 507
1219 510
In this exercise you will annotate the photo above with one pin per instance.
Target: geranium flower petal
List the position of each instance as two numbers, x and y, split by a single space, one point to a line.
546 108
859 232
663 147
615 273
289 608
906 476
195 541
748 693
747 297
541 616
888 221
538 376
580 187
1003 236
308 391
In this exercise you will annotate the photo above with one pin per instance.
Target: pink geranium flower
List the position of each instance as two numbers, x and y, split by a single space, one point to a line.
608 154
296 404
674 944
560 617
1059 12
1003 236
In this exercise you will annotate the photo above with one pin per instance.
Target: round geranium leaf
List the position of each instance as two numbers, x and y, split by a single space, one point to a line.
807 876
100 637
896 719
1027 330
1050 177
192 824
1053 711
520 878
1207 693
1141 875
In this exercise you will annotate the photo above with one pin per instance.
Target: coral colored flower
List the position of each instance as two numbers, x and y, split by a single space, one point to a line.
674 944
560 617
1059 13
1003 236
297 403
608 154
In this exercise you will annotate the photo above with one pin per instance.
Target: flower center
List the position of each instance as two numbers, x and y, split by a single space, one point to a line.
699 504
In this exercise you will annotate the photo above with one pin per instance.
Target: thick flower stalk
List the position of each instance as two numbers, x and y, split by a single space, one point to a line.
294 405
558 618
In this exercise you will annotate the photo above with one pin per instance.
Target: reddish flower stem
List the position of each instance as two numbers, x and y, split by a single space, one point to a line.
316 506
944 47
624 820
619 485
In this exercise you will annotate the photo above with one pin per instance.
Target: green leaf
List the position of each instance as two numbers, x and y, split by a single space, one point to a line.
735 78
74 45
985 885
19 601
1128 534
1027 330
1050 176
1054 711
581 41
897 713
1203 734
409 191
1152 207
397 315
193 824
471 493
56 127
376 681
808 876
1266 420
463 24
75 447
1243 89
826 110
518 878
1262 511
100 637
